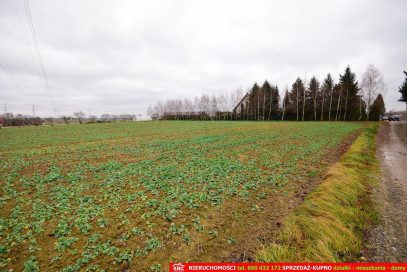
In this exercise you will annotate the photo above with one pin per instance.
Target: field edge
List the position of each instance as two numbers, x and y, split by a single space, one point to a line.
329 226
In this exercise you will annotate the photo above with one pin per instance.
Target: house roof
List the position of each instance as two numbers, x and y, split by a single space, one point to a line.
241 101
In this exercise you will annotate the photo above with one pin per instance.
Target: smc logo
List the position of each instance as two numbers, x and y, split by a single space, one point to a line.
179 267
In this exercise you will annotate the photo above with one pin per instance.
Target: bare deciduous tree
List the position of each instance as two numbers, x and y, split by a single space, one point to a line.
92 118
204 102
235 98
105 116
150 112
126 117
372 86
339 102
49 120
213 106
65 119
188 107
79 115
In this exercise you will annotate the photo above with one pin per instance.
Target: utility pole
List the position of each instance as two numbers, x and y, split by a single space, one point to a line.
33 106
5 108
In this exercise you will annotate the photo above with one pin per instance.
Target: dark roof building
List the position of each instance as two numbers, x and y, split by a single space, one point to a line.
244 102
186 115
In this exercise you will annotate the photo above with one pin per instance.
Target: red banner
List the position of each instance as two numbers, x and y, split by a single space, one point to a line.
184 267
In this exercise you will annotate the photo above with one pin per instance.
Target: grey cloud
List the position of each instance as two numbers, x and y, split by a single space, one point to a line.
110 56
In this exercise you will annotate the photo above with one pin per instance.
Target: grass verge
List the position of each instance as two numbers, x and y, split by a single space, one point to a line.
329 225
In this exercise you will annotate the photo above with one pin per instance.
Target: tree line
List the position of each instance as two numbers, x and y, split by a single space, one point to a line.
9 119
326 101
346 100
215 107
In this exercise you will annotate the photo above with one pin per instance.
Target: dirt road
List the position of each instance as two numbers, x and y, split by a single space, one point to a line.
388 241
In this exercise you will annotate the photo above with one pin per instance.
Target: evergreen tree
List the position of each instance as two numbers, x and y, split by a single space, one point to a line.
377 109
403 89
286 102
267 97
313 89
297 94
253 102
351 98
327 94
275 101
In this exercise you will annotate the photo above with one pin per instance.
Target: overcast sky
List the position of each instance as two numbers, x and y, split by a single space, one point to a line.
121 56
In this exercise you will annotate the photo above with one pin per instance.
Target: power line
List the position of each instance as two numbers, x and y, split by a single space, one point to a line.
15 83
24 35
44 74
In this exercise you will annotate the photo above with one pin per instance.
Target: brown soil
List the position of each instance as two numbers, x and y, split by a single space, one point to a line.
388 241
263 225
